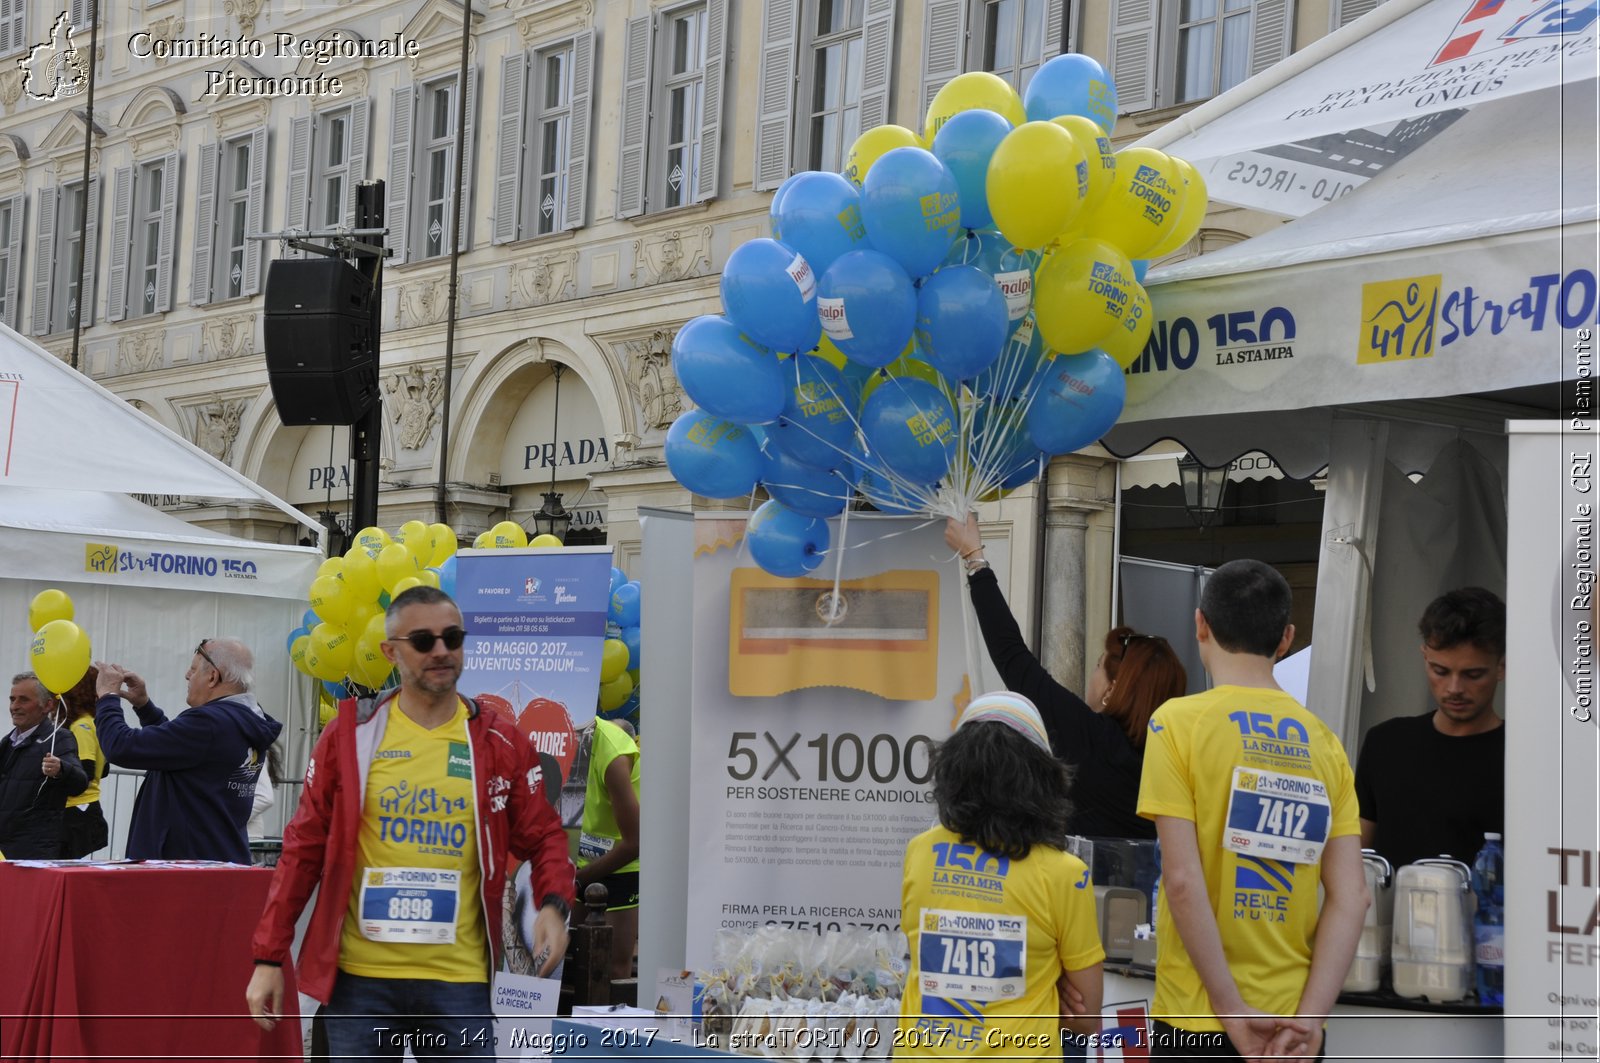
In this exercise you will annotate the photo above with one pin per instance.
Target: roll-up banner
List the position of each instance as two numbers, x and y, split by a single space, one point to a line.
536 622
816 703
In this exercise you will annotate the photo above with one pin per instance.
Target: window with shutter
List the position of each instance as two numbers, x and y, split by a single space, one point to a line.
775 88
44 261
1012 38
398 191
1344 12
69 268
167 240
13 26
202 275
944 44
1167 54
832 58
574 209
144 204
436 212
549 139
634 126
509 151
12 216
121 224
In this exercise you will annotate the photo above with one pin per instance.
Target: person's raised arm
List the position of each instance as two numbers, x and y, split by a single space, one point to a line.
625 808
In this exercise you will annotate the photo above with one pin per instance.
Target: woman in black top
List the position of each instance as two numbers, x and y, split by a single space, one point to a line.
1103 739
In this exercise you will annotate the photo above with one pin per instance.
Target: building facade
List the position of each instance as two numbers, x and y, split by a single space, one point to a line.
614 153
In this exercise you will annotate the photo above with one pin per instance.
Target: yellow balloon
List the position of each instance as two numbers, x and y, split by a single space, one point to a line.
330 599
368 665
430 577
546 541
615 693
873 145
976 90
395 563
1142 206
404 584
332 566
361 575
413 535
1125 342
828 352
1031 203
444 544
1100 160
1080 294
613 660
377 628
61 653
329 652
907 365
1191 213
373 538
361 613
297 653
508 534
484 541
48 605
326 709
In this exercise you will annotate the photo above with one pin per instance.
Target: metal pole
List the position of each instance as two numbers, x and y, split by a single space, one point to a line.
84 286
555 424
441 497
366 435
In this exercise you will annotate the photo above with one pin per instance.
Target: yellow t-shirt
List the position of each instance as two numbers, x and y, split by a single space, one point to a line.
600 830
989 939
417 857
1265 907
88 740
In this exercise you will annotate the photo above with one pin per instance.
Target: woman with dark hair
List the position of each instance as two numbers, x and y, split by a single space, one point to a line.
83 825
1101 735
1000 918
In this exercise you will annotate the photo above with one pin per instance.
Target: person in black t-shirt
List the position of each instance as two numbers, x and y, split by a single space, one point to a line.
1431 785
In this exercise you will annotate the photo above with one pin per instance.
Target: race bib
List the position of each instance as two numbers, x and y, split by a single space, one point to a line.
592 847
410 905
1277 816
972 956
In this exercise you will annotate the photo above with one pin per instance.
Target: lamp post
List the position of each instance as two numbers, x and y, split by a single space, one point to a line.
1203 489
552 517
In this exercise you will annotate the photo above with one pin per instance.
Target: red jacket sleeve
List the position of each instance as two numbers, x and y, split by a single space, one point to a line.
536 832
304 851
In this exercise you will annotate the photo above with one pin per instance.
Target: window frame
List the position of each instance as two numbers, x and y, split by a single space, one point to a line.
1143 49
71 202
980 45
658 181
1171 44
806 112
13 27
13 218
321 171
542 113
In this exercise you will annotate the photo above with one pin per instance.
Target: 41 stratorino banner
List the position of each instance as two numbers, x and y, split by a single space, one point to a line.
536 622
810 763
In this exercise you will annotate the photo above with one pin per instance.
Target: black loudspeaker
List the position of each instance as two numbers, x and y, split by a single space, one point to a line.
318 333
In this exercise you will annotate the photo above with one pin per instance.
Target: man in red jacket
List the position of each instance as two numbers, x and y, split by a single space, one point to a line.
412 803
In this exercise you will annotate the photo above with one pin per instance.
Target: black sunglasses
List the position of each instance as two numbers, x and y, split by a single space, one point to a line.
422 641
1130 636
201 650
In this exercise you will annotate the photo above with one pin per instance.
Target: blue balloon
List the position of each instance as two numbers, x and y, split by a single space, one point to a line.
965 143
786 543
1011 267
820 217
447 575
868 307
712 457
817 426
1014 373
625 604
618 578
804 488
885 497
1072 84
337 691
309 619
770 292
1080 399
910 426
777 201
912 208
296 633
1141 266
961 320
630 639
725 374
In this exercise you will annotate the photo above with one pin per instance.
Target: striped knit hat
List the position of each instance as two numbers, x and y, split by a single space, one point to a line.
1013 710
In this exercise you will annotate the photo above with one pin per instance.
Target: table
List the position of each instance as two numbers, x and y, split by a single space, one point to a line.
114 961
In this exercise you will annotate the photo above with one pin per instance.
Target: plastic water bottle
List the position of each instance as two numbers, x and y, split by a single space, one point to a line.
1488 925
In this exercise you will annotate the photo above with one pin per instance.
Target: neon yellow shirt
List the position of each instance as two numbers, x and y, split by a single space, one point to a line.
989 939
1266 909
88 740
600 830
418 829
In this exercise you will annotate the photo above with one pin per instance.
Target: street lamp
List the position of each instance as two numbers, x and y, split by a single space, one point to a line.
1203 489
553 518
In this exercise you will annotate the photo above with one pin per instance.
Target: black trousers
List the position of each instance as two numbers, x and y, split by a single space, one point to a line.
1170 1042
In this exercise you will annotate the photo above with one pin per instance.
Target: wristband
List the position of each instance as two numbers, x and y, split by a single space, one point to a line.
268 963
974 566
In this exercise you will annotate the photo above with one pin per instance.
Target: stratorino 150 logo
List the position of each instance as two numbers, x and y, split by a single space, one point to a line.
1397 319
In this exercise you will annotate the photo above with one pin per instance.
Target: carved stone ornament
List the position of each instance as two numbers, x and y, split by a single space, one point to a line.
232 336
673 254
140 352
246 12
541 20
424 303
544 279
216 426
651 382
10 87
167 29
414 404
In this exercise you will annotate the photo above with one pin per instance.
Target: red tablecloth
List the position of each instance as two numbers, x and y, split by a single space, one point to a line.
118 962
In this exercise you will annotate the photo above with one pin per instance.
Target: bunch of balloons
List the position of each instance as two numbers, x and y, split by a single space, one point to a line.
60 650
619 654
509 535
928 328
340 638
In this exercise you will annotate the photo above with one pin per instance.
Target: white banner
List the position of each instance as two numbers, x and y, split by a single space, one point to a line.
810 763
1552 979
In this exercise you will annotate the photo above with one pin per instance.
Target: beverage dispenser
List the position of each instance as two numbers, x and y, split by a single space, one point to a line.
1372 951
1433 930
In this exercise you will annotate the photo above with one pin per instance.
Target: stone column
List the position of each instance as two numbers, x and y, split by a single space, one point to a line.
1079 500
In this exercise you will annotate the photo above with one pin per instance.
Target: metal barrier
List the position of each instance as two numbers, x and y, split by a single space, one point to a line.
120 785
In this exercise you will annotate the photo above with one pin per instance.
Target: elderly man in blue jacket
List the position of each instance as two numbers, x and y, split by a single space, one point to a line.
201 765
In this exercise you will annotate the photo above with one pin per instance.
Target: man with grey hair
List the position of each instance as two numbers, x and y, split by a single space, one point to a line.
201 765
39 770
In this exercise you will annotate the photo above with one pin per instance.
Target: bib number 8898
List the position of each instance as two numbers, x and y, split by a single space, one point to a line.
410 908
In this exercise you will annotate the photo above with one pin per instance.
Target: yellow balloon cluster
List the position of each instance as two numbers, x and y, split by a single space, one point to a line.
60 650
